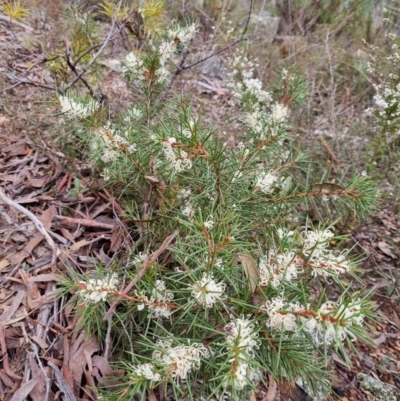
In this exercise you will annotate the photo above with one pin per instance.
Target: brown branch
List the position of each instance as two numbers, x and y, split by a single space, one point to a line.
208 239
146 264
310 313
72 66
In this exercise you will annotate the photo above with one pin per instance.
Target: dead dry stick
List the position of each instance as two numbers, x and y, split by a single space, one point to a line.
118 208
108 339
328 149
62 383
39 361
146 264
3 347
25 81
85 222
17 23
38 224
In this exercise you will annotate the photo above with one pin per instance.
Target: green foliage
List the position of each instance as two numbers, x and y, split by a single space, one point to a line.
58 67
14 10
110 9
77 189
144 21
81 36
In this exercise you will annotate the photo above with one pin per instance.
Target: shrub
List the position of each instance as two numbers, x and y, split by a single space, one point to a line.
231 297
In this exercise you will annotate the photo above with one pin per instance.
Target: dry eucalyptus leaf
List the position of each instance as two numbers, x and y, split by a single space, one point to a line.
4 263
152 179
42 344
252 396
4 120
386 249
339 360
24 390
272 389
250 270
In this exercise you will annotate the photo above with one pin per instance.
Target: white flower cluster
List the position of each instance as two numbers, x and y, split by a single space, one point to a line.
219 263
249 91
133 114
178 38
263 123
182 34
267 181
209 223
111 142
316 242
97 290
158 302
248 87
241 341
76 109
184 193
279 113
188 132
387 104
284 233
177 158
330 264
258 122
320 258
329 324
139 258
188 211
207 292
280 317
133 65
276 267
182 359
146 371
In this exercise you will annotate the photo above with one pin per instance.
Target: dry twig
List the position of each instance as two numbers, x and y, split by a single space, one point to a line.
85 222
13 21
38 224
